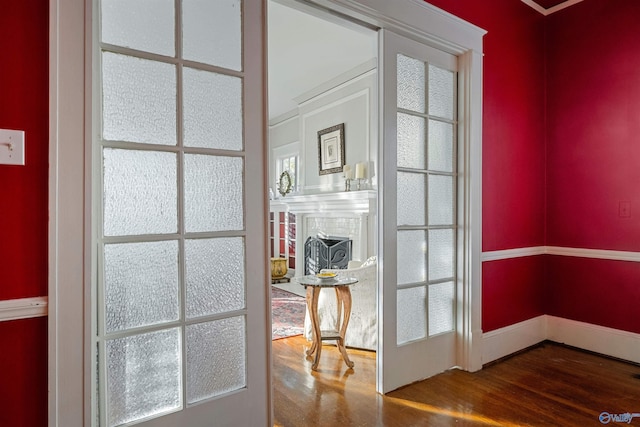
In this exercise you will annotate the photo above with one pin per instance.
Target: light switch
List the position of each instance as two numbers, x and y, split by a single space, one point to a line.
11 147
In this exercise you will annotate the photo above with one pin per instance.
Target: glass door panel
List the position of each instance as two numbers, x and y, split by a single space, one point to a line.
174 306
419 210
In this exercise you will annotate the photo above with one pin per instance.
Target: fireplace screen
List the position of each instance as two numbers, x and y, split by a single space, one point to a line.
326 252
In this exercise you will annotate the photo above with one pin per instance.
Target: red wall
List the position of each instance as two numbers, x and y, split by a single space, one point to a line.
24 106
593 86
512 291
23 373
513 158
23 209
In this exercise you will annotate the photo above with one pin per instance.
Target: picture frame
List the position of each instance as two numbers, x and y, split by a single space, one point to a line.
331 157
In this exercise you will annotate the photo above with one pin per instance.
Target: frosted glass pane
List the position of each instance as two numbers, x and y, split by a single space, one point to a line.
144 375
142 24
441 254
412 314
140 192
138 100
212 32
441 92
412 198
411 141
441 201
216 358
411 84
140 284
212 110
215 275
412 256
440 146
213 193
441 299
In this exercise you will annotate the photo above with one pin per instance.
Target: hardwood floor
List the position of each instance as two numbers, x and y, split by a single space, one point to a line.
548 385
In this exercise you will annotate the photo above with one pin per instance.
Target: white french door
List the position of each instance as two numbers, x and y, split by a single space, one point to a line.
419 211
181 325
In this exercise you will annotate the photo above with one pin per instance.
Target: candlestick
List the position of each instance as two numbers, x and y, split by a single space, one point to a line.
347 172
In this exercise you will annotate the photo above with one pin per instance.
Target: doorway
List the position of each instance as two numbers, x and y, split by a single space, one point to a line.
70 360
322 73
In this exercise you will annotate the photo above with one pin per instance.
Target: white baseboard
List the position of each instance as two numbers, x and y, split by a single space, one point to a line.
23 308
610 342
510 339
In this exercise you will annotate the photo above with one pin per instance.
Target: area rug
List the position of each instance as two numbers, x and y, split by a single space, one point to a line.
287 313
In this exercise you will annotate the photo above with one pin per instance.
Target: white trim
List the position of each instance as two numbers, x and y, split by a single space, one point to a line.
68 352
23 308
594 253
283 118
554 9
600 339
510 339
361 71
535 6
561 6
513 253
415 19
558 250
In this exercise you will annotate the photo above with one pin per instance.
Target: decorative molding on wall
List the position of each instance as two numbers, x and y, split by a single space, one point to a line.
608 341
363 70
557 250
510 339
23 308
551 10
283 118
513 253
594 253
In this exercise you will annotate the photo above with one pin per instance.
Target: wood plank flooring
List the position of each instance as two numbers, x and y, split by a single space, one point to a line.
548 385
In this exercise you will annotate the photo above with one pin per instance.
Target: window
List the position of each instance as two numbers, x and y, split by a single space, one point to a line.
289 164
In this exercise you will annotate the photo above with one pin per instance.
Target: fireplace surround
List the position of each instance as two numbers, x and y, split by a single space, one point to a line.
351 215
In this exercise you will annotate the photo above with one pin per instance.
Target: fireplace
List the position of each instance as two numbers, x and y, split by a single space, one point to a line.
349 214
326 252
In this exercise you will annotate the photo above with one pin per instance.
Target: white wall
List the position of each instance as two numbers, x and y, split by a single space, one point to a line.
353 103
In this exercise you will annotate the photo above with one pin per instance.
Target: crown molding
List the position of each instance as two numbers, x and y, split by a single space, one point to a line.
549 11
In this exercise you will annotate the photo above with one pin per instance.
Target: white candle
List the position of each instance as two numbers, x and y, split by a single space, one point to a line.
347 171
360 170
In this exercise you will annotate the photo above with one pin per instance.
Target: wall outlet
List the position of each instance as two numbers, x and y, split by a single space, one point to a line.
624 210
11 147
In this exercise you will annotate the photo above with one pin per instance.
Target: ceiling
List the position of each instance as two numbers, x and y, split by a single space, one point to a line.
307 48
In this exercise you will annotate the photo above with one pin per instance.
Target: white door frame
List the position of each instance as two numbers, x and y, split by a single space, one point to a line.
70 183
69 215
417 20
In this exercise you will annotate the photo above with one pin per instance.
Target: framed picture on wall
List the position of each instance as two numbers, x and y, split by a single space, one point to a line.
331 149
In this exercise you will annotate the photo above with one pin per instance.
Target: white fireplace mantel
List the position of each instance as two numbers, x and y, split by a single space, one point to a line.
345 214
362 201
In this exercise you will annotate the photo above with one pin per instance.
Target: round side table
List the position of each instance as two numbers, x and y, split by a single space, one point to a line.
313 285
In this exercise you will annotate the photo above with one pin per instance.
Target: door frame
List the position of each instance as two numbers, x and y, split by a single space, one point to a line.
70 184
426 24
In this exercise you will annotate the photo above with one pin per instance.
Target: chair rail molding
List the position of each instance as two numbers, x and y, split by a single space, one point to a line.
561 251
23 308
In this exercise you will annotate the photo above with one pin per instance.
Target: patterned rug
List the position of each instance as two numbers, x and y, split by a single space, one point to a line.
287 313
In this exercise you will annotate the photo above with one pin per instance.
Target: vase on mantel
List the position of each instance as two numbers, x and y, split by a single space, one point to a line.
278 268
